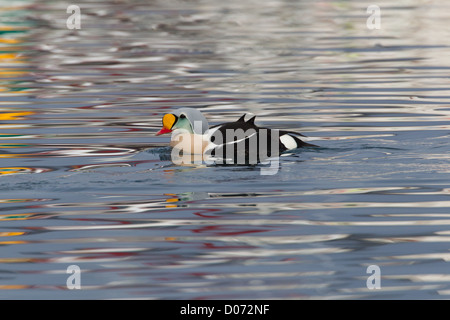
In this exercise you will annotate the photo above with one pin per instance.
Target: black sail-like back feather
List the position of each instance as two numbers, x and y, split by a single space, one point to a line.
251 121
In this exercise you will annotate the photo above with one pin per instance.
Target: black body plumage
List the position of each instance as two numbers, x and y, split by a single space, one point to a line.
242 142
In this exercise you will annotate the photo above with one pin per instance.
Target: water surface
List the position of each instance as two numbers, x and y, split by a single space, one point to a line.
84 181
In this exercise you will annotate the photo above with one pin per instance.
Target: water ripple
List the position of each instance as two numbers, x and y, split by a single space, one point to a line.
85 181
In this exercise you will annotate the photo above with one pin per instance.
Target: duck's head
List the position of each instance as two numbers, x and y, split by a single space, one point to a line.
188 119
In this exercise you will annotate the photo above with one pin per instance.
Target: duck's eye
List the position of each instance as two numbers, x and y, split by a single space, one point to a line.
182 116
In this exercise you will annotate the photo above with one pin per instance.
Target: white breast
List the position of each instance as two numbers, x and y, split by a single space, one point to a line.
187 142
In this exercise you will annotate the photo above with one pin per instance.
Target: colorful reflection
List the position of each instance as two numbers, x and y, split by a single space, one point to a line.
13 62
21 170
14 115
23 216
14 71
11 234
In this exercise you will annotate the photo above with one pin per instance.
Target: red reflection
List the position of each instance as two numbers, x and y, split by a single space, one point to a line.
218 231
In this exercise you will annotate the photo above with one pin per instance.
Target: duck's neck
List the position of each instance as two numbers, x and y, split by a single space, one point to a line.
197 127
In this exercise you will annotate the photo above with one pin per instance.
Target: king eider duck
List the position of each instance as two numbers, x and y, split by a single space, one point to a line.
239 142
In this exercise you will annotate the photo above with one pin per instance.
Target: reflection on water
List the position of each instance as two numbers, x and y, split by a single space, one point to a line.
84 180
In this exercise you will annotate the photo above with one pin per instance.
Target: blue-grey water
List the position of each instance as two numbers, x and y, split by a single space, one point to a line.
84 180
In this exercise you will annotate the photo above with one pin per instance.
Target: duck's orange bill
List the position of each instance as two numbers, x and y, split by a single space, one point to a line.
168 122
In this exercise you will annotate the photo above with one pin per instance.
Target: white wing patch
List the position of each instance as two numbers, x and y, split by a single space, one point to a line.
288 142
